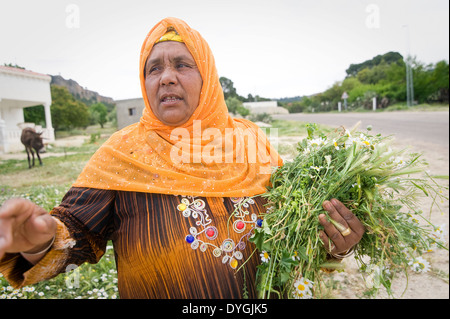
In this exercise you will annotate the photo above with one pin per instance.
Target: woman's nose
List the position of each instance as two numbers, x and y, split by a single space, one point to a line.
168 76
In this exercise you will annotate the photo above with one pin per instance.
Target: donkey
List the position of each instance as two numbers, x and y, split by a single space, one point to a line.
32 140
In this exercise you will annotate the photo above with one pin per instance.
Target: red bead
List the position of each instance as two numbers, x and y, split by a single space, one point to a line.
210 232
240 225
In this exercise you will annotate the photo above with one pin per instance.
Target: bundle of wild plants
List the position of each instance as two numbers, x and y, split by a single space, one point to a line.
382 186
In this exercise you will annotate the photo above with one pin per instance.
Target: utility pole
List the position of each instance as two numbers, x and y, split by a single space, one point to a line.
345 97
409 74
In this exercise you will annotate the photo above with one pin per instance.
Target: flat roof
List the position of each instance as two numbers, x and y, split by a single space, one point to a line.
23 72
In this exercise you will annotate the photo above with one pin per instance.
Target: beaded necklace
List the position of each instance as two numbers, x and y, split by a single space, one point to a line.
201 235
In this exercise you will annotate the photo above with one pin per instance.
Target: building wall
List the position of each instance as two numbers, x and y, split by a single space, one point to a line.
129 111
269 107
19 89
260 104
26 87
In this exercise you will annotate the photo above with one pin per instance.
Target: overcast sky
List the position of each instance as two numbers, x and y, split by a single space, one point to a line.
269 48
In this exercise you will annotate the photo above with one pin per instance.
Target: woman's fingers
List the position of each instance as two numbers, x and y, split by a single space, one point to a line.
6 215
350 219
39 223
5 236
328 243
24 226
333 234
343 228
4 243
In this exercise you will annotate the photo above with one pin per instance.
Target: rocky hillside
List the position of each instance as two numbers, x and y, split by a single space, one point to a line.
80 93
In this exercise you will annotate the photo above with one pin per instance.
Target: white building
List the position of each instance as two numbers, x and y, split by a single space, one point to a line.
19 89
269 107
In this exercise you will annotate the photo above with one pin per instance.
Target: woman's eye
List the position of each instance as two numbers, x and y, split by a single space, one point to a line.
153 69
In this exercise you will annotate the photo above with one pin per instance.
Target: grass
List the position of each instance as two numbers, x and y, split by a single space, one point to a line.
108 129
88 281
440 177
418 107
46 185
294 128
423 107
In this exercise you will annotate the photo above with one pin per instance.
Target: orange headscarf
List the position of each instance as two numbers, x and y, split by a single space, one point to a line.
211 155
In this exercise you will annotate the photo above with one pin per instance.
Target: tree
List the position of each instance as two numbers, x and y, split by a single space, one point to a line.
233 103
243 111
67 113
98 113
228 87
390 57
440 82
35 114
297 106
14 66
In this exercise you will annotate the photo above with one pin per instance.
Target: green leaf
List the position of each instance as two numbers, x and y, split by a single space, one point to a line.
287 261
258 239
284 277
311 128
266 228
421 188
302 253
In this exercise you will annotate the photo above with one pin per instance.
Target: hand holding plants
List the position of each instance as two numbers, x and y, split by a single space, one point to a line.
345 192
342 230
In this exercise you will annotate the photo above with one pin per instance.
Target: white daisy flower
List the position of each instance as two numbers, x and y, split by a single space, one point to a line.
364 140
316 142
265 256
306 151
349 142
399 161
336 146
303 288
303 284
420 265
411 219
439 233
295 256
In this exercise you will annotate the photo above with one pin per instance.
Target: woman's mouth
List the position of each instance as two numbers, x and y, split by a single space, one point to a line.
170 99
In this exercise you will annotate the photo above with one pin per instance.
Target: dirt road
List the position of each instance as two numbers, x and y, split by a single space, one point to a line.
427 127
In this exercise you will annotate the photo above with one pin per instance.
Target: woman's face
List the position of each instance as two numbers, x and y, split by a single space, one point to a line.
172 82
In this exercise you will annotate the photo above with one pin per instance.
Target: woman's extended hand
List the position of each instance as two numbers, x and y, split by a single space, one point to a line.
24 227
339 239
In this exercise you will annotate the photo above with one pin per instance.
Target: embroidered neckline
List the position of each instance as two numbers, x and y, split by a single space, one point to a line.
201 235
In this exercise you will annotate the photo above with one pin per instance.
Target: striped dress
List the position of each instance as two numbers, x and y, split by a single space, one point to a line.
165 246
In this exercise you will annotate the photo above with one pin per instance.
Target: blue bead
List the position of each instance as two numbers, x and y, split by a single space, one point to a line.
190 239
259 222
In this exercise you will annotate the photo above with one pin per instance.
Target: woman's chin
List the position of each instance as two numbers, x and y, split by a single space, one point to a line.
174 120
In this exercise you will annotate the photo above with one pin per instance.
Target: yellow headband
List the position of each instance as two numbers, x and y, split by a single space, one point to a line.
171 35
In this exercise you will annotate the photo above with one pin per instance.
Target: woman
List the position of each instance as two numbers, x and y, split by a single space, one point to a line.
171 192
